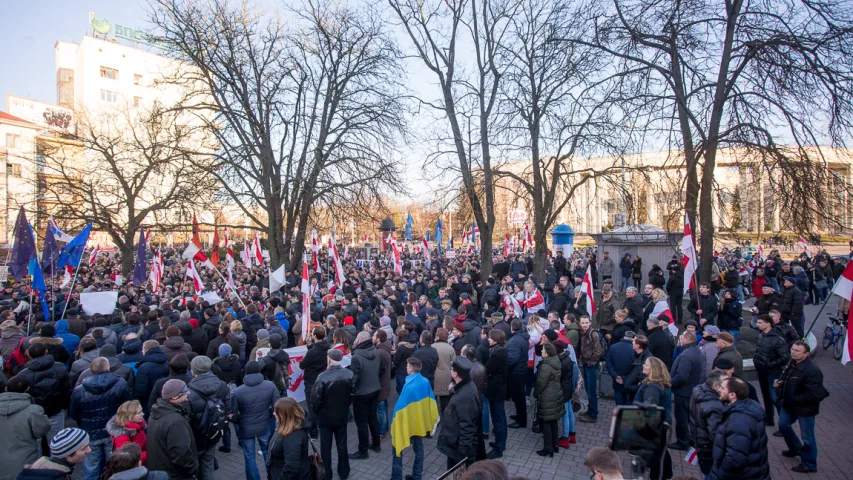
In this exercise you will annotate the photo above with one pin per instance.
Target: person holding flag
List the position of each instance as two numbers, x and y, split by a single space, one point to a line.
415 416
193 250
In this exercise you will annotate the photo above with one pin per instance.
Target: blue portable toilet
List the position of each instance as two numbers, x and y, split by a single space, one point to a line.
563 239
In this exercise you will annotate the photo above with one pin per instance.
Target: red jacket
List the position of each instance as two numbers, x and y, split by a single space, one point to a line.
757 283
131 432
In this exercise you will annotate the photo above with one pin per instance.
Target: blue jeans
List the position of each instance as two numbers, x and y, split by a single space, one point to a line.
735 333
498 414
485 420
568 420
622 397
740 292
226 437
94 462
417 468
590 380
625 282
808 447
384 418
401 380
250 454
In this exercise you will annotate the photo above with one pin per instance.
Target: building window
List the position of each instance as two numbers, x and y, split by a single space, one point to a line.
137 79
109 73
137 101
108 96
13 170
13 141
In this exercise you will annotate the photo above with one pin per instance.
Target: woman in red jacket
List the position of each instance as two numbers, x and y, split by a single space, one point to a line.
128 426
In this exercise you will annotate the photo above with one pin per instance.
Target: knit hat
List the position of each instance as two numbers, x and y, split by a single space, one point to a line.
201 364
560 345
173 331
711 331
224 350
497 316
726 336
551 335
336 354
723 363
172 388
68 441
193 322
107 351
263 333
348 320
253 367
385 321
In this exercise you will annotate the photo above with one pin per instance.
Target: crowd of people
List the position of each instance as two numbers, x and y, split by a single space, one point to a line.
154 389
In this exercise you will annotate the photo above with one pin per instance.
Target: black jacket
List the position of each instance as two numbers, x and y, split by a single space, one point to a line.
791 307
787 333
228 369
660 345
460 423
621 329
367 368
771 353
288 456
688 371
802 388
635 308
49 384
729 316
153 366
496 371
213 346
313 363
566 375
631 380
331 396
170 443
559 304
709 306
768 302
202 388
675 283
706 411
401 356
96 401
429 357
517 348
740 444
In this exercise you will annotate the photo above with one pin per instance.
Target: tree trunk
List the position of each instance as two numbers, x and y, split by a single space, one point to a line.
486 263
127 261
540 253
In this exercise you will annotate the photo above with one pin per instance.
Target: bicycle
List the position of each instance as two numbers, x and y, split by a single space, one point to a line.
834 334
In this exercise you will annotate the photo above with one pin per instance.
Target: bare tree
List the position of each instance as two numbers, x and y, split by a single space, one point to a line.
306 114
752 76
123 167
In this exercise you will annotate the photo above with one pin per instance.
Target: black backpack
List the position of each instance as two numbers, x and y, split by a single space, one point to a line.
213 421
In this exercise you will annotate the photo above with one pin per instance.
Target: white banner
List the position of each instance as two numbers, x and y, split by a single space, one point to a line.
211 297
99 302
297 388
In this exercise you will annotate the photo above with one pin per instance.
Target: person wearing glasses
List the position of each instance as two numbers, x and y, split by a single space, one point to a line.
171 444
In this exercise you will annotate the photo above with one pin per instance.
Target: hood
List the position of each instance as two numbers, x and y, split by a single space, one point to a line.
240 336
90 355
278 355
174 343
629 322
207 384
523 334
705 393
61 327
100 383
115 363
384 346
161 408
470 324
41 364
281 317
12 403
553 362
48 341
253 379
229 363
575 326
132 474
50 463
366 350
133 346
747 407
263 343
114 429
155 355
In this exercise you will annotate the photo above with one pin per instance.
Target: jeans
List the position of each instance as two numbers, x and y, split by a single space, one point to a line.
590 379
226 437
250 454
735 333
822 294
340 435
568 420
498 413
768 394
94 462
384 417
682 412
397 462
740 293
57 423
485 419
206 459
623 397
807 449
516 393
310 417
401 380
624 285
364 412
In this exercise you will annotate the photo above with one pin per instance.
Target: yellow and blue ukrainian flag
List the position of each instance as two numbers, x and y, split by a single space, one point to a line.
415 414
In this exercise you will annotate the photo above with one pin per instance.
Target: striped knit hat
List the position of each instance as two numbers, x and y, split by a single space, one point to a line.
68 441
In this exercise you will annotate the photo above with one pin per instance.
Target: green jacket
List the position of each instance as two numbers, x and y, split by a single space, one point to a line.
22 423
549 391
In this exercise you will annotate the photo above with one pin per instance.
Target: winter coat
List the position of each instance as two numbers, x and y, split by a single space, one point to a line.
559 304
549 390
49 384
130 432
729 316
735 357
158 385
591 347
765 303
81 364
654 394
802 388
120 369
567 381
313 363
618 363
496 374
606 266
740 444
446 356
631 380
262 343
401 356
367 368
140 473
621 329
289 456
709 306
23 423
791 307
787 333
605 316
709 352
516 352
54 348
472 332
660 345
573 334
276 359
331 396
625 267
241 341
213 346
69 340
95 402
171 444
228 370
675 284
429 358
9 340
634 305
202 388
706 410
174 346
771 353
252 405
47 468
131 354
153 366
687 371
384 350
460 422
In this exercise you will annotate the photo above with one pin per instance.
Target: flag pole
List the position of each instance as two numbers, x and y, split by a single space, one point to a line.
71 288
814 320
227 285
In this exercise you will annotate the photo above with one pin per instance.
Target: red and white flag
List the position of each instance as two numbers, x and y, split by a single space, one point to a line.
193 250
365 238
688 260
339 267
246 254
692 457
256 249
662 312
534 301
192 273
527 241
315 248
306 301
844 289
586 288
66 277
507 245
760 252
156 274
802 243
94 256
214 250
511 304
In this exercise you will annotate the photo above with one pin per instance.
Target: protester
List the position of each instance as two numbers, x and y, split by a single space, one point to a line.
23 424
383 347
48 385
706 410
312 365
771 356
126 463
460 424
128 426
740 443
688 371
367 369
655 389
68 448
207 393
660 341
415 414
591 349
446 356
153 366
171 442
252 406
275 365
549 395
727 350
618 364
330 399
289 446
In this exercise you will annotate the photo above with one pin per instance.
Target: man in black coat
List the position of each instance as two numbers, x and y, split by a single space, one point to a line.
428 357
460 425
791 307
770 300
367 368
660 341
802 391
171 443
330 400
495 394
706 410
49 385
560 302
675 290
771 356
704 307
205 386
688 371
312 365
740 443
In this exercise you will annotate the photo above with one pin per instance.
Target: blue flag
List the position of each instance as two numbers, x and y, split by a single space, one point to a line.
24 249
409 222
426 235
139 276
50 254
72 252
39 285
438 234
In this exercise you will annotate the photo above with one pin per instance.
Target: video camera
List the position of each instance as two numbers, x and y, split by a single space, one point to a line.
640 430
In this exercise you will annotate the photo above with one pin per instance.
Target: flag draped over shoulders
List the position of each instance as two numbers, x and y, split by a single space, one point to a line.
415 414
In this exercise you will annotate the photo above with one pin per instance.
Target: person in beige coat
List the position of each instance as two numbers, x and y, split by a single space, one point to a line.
446 356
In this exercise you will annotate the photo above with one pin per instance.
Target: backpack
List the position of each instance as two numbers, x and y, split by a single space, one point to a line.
280 378
213 421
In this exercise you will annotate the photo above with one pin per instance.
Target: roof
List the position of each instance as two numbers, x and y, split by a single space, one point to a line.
638 234
12 118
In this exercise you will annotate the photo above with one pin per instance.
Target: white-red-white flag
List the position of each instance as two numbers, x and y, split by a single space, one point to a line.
94 255
512 305
760 252
586 288
192 273
256 249
688 259
527 241
802 243
339 268
246 254
395 255
662 312
193 250
306 301
156 274
844 289
507 245
66 276
315 248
